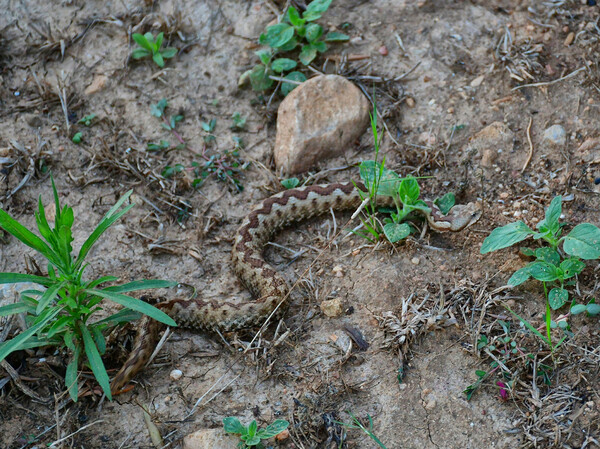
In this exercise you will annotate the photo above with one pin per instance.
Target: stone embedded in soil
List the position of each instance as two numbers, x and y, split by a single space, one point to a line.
332 307
555 135
210 439
318 120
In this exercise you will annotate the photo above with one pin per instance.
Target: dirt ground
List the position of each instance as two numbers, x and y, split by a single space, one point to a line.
63 60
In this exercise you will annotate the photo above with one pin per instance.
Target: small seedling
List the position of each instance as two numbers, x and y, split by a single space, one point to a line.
290 183
356 424
64 314
405 193
224 166
77 138
87 120
296 31
556 268
239 122
251 435
152 47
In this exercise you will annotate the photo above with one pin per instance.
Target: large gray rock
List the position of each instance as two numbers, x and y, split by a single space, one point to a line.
555 136
319 119
210 439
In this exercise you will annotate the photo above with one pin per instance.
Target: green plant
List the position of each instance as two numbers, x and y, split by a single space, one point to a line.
296 31
506 352
290 183
405 193
87 120
554 266
77 138
224 166
239 122
62 315
251 435
356 424
149 46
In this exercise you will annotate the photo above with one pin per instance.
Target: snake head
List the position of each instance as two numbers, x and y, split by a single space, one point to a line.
458 218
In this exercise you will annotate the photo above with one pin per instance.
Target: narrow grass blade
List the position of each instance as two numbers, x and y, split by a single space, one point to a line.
71 375
122 316
17 342
140 285
134 304
48 296
13 309
19 231
91 351
14 278
528 325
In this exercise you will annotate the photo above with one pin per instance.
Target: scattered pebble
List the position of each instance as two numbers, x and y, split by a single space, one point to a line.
430 405
415 261
97 84
283 435
555 135
383 51
332 307
338 270
569 39
176 374
504 195
410 102
477 81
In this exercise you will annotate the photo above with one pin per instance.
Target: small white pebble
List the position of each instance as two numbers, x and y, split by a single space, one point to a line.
176 374
517 204
524 211
517 213
504 195
415 261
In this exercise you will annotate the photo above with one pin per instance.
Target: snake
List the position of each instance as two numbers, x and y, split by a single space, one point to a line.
264 282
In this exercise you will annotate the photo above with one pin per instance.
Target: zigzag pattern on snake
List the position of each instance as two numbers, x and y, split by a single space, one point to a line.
260 278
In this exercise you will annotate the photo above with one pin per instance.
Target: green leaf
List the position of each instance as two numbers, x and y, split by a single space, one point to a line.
335 36
143 284
552 215
289 45
122 316
134 304
233 425
13 309
548 255
71 375
479 373
578 308
543 271
319 6
557 298
95 361
48 296
279 34
294 17
571 267
14 278
252 428
506 236
264 55
286 88
396 232
20 340
158 59
59 325
593 309
290 183
159 40
283 65
313 32
519 276
278 426
140 53
527 252
253 441
111 216
17 230
158 109
583 242
409 190
307 54
142 41
320 46
169 52
373 174
150 39
445 203
259 78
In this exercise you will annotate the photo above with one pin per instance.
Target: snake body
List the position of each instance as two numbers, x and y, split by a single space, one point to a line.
260 278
